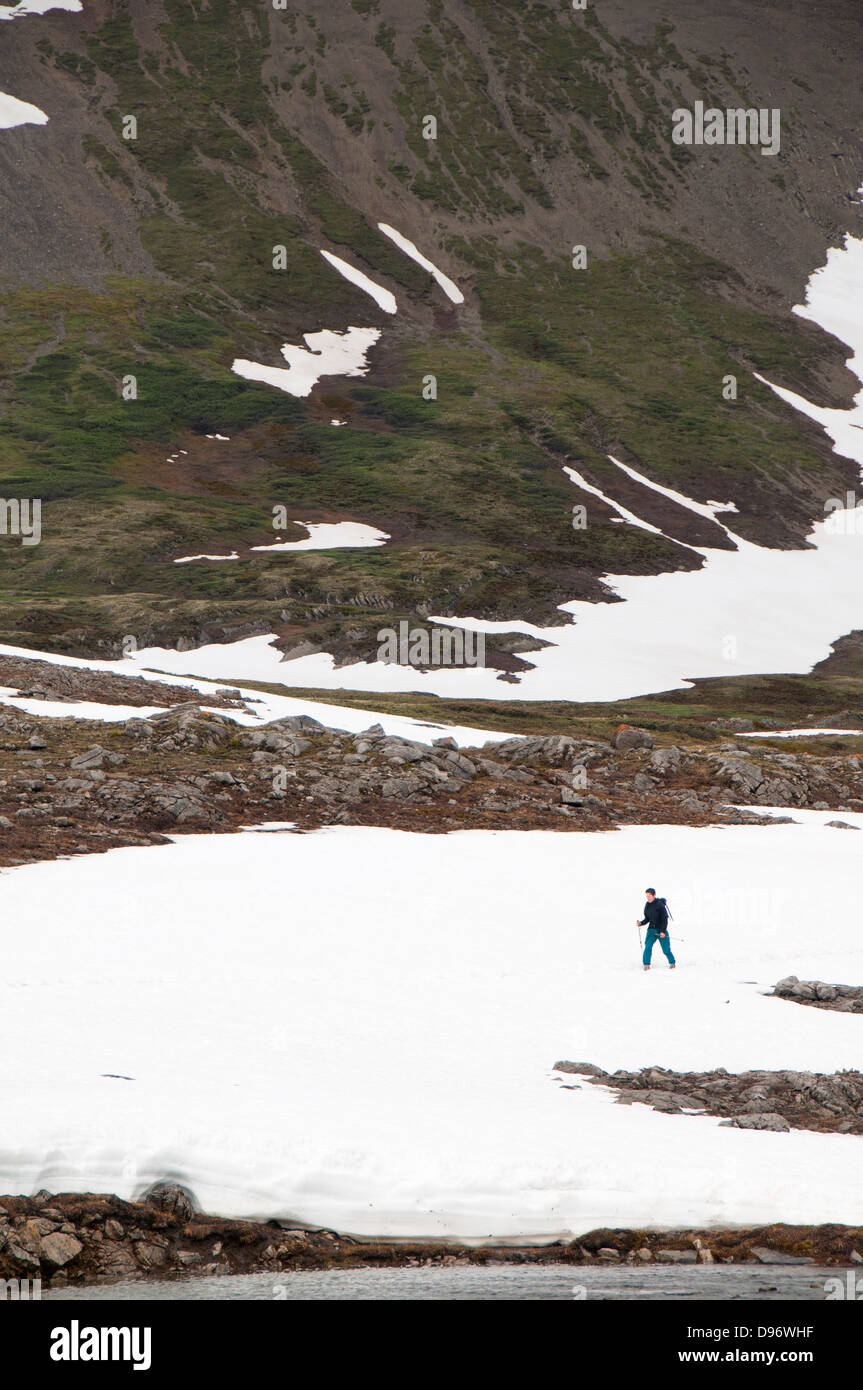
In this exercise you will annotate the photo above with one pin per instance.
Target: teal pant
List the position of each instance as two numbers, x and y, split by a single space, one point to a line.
665 942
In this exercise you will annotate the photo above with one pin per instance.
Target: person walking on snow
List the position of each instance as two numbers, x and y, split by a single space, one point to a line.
656 920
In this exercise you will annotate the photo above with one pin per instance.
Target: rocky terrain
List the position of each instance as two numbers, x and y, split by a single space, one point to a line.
843 999
70 1237
76 785
773 1100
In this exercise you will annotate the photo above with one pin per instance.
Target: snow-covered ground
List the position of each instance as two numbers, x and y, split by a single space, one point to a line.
327 353
358 1027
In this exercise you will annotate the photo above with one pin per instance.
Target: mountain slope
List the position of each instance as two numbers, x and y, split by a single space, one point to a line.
259 128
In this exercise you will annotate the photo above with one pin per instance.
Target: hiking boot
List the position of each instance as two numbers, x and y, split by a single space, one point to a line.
673 967
647 967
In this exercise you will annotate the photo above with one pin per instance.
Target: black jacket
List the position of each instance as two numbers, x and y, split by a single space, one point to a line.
656 915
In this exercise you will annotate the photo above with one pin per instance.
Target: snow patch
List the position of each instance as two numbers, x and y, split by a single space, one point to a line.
14 112
623 512
382 297
187 559
449 287
332 535
705 509
31 7
327 353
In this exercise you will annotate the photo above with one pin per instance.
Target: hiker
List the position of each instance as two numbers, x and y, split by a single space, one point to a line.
656 920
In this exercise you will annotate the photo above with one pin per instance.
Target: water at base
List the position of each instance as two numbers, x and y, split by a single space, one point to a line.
744 1283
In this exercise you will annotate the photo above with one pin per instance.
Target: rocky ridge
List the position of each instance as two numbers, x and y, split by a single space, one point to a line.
828 1103
77 785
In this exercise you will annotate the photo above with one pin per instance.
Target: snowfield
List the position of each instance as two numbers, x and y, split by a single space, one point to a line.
358 1027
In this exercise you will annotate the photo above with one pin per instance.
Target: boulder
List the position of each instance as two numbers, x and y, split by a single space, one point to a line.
627 737
58 1249
766 1120
665 760
171 1196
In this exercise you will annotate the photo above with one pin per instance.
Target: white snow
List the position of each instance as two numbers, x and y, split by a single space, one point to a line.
31 7
76 709
358 1027
382 297
796 733
14 112
332 535
323 535
623 512
449 287
705 509
327 353
187 559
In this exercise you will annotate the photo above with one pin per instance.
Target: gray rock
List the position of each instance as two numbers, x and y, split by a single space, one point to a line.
642 783
740 774
765 1120
665 760
677 1257
627 737
93 757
